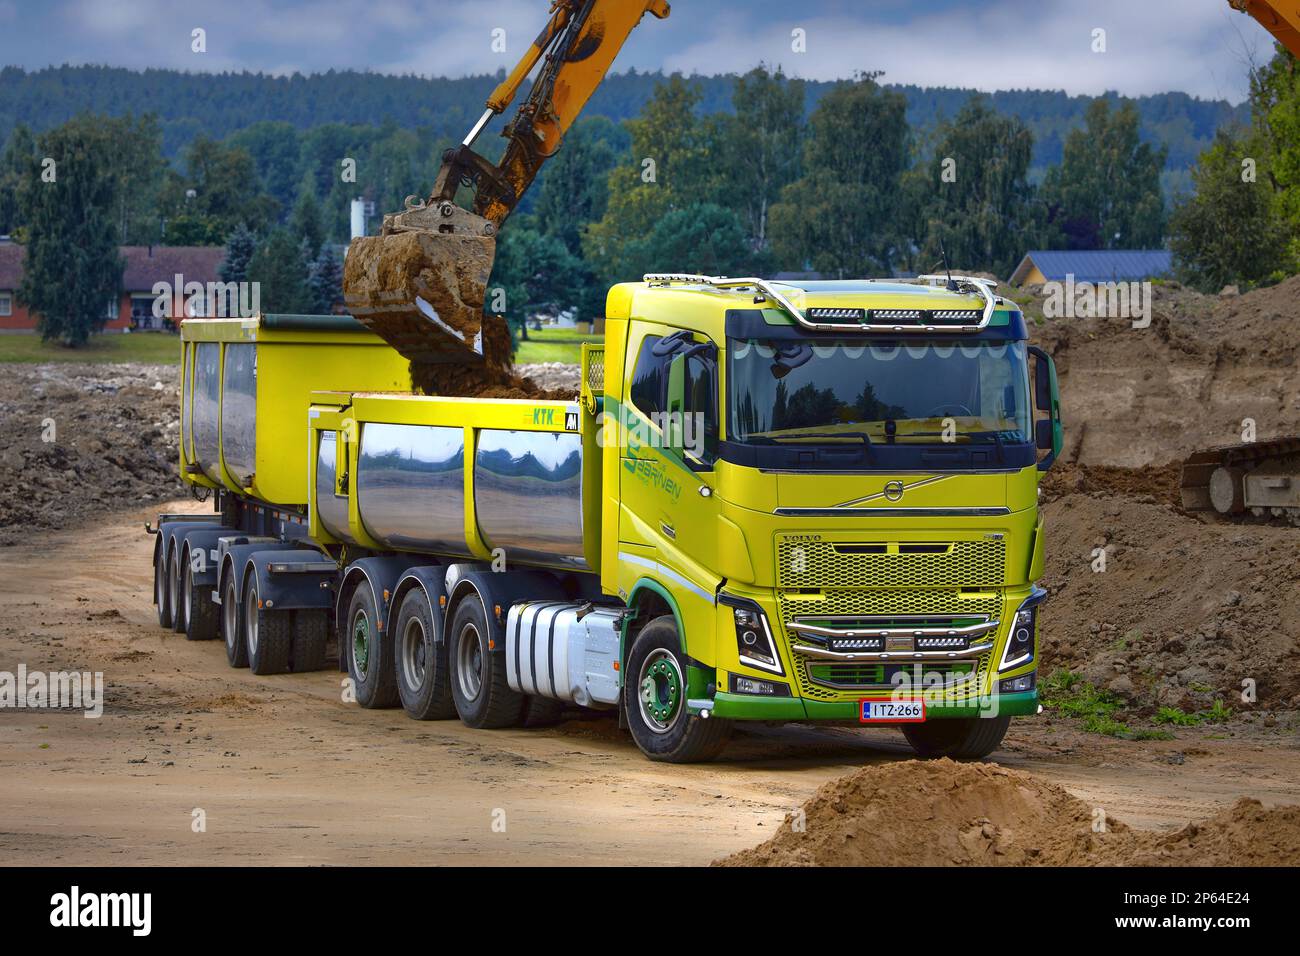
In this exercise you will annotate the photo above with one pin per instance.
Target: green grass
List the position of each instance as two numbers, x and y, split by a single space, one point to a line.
150 348
1067 693
553 345
1177 717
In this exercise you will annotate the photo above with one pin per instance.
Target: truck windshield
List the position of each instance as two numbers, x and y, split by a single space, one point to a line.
963 393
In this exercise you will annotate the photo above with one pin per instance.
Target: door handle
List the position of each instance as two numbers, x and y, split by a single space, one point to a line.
668 530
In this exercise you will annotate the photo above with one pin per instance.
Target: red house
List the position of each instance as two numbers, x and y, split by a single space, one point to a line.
146 267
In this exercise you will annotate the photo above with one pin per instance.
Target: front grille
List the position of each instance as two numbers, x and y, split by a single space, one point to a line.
940 605
854 675
850 680
829 564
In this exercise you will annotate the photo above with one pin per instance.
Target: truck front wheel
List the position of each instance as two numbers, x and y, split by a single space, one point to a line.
654 699
962 738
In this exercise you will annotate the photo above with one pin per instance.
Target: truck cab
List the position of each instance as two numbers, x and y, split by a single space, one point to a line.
829 491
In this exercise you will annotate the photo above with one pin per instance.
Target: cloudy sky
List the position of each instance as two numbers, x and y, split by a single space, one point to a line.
1198 46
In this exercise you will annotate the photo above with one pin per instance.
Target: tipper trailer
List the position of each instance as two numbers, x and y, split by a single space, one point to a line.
767 502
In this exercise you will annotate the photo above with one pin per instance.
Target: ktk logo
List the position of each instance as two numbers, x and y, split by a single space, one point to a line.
75 908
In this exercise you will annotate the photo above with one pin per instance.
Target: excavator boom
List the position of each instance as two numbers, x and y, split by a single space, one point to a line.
1279 17
421 283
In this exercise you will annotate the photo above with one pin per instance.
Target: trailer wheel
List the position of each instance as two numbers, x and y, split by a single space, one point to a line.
421 662
200 612
269 634
478 674
232 628
654 700
962 738
370 657
161 592
175 597
311 630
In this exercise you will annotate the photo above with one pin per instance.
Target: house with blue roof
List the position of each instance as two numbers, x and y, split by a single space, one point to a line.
1092 265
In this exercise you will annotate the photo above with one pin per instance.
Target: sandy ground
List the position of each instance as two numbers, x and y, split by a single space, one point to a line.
284 772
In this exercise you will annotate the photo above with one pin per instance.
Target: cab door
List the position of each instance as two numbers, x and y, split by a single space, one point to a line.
668 442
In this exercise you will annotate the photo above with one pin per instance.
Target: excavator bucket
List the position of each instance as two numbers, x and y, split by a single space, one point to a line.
421 284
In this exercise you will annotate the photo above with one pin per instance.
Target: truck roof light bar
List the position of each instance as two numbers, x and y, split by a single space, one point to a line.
859 320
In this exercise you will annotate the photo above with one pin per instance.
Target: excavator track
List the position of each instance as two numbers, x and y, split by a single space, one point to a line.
1261 479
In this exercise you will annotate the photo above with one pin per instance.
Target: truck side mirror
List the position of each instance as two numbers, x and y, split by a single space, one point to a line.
1049 434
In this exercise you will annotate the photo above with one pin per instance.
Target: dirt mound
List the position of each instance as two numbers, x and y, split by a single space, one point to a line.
942 813
79 438
1181 611
1133 397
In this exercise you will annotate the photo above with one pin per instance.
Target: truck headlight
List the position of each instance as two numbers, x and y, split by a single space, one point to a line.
754 643
1020 642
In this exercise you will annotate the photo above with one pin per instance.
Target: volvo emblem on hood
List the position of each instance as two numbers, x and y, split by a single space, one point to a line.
894 490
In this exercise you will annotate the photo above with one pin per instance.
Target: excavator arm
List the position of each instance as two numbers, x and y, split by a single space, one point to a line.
1279 17
421 284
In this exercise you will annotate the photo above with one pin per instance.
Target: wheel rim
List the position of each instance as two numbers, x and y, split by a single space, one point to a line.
469 662
414 653
230 614
659 688
188 590
361 642
250 620
174 579
159 588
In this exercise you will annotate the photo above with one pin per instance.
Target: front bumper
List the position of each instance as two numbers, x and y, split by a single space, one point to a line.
747 707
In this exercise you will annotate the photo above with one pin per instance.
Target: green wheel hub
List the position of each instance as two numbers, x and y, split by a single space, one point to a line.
661 694
361 642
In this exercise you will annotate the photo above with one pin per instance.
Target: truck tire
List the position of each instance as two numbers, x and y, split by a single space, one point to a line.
161 592
420 662
175 596
542 712
962 738
200 612
311 631
268 634
370 652
232 625
654 699
478 673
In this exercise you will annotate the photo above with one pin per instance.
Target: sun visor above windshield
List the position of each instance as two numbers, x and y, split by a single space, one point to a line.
768 323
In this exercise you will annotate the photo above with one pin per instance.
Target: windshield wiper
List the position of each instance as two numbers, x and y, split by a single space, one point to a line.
866 439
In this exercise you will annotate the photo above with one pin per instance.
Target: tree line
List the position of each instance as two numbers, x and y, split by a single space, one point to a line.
849 187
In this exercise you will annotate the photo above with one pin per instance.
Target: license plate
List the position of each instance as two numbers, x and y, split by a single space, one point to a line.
892 711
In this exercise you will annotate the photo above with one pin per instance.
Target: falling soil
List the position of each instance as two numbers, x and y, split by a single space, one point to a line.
943 813
391 283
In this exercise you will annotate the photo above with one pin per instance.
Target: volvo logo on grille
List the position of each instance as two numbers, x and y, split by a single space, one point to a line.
894 490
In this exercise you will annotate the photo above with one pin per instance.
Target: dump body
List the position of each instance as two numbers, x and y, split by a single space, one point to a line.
246 386
459 478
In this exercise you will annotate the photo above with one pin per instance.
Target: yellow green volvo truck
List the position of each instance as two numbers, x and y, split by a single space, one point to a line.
777 502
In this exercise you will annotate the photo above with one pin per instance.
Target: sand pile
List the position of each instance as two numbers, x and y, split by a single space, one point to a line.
942 813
